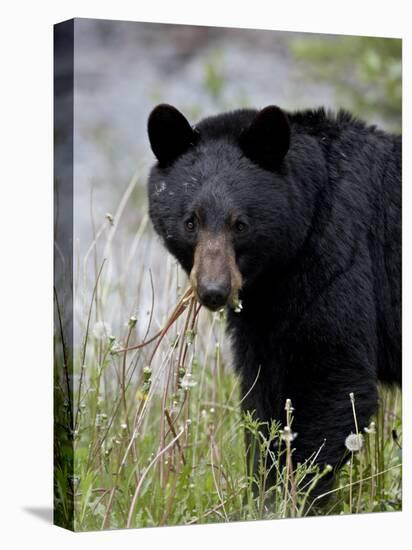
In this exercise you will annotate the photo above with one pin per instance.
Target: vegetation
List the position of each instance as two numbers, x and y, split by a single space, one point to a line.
158 432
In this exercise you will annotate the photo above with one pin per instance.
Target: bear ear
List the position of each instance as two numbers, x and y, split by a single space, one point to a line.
266 141
170 134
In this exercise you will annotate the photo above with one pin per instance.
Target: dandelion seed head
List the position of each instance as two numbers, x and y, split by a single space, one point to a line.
354 442
287 435
187 381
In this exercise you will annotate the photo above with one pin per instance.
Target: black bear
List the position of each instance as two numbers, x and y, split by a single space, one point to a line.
297 216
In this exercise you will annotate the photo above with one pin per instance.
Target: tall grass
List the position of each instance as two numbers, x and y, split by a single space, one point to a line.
154 414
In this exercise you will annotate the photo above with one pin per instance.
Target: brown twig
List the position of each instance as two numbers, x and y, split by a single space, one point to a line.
172 429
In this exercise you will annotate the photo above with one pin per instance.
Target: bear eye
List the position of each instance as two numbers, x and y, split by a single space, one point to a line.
190 225
240 227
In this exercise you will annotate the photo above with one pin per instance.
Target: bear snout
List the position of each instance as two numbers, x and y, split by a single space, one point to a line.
214 294
215 277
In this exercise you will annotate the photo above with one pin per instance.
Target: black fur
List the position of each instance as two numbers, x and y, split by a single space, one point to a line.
321 259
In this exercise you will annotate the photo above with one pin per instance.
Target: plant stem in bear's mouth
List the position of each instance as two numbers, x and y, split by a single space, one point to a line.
188 296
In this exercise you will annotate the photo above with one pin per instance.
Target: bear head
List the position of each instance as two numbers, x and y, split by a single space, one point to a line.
221 197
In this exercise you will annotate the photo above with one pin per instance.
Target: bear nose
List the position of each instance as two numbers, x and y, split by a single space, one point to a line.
214 295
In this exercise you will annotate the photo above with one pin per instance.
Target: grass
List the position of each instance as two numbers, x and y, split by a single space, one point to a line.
157 430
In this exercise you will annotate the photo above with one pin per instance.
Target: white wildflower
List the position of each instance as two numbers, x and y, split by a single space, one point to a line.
371 429
187 381
287 435
354 442
101 330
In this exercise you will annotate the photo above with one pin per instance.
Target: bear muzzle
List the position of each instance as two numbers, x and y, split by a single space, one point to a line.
215 276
